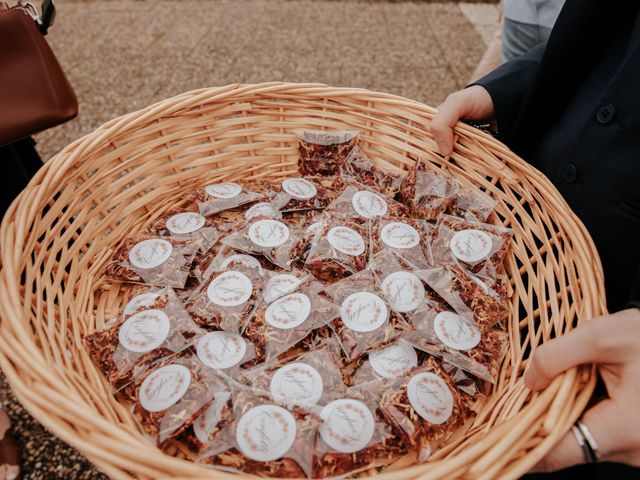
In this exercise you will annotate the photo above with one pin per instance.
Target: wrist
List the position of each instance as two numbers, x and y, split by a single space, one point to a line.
478 102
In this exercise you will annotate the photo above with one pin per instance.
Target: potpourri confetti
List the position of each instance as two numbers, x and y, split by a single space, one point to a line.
310 326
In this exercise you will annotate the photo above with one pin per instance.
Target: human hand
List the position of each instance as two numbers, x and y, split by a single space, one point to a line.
472 103
613 343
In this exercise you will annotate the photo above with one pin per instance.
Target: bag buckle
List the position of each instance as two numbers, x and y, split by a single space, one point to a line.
45 18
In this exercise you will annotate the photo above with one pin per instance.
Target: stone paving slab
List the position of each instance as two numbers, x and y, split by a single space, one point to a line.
122 55
484 17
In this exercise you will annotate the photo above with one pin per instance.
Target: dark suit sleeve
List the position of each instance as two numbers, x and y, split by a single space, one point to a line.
634 298
508 86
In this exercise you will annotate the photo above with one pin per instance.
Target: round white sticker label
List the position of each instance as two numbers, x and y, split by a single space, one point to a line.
266 433
230 289
150 253
400 235
280 285
369 204
242 258
164 387
297 383
144 331
185 222
315 228
455 331
221 349
268 233
299 188
430 397
394 360
289 311
141 302
363 312
346 240
262 208
403 290
204 425
223 190
471 245
348 425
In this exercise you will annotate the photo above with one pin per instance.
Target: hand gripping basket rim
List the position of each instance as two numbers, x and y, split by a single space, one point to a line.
53 253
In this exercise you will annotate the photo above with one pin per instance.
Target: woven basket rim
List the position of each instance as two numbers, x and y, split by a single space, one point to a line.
111 456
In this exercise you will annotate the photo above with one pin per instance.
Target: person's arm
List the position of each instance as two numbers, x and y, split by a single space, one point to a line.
497 95
634 297
508 86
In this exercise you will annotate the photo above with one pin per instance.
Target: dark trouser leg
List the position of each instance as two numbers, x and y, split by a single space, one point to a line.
19 161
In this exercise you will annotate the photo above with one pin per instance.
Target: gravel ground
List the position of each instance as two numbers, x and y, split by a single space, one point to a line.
44 456
122 55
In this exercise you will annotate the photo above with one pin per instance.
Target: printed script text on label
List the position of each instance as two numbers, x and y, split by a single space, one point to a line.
230 289
400 235
221 349
394 360
430 397
280 285
185 222
456 331
369 204
150 253
141 302
299 188
164 387
223 190
266 433
289 311
471 246
144 331
346 240
348 425
404 291
297 383
268 233
363 312
262 208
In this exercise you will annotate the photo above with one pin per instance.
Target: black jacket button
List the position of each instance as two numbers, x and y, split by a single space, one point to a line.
571 173
605 113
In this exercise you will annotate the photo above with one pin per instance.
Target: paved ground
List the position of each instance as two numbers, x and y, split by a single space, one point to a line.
484 17
122 55
125 54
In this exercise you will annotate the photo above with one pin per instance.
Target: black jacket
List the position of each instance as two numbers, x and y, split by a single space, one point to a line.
572 109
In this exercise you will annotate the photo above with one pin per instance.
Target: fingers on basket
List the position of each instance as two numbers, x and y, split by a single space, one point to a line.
593 342
442 126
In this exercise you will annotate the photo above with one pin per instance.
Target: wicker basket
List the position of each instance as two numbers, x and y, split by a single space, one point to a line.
57 236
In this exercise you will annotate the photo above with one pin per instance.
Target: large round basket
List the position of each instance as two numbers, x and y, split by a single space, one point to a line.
57 236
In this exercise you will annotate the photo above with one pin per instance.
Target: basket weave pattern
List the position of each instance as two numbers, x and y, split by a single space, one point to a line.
58 235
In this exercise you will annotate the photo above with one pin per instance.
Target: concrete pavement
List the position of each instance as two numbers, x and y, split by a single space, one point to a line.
125 54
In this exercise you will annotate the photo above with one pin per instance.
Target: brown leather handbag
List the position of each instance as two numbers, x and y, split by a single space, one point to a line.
34 91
